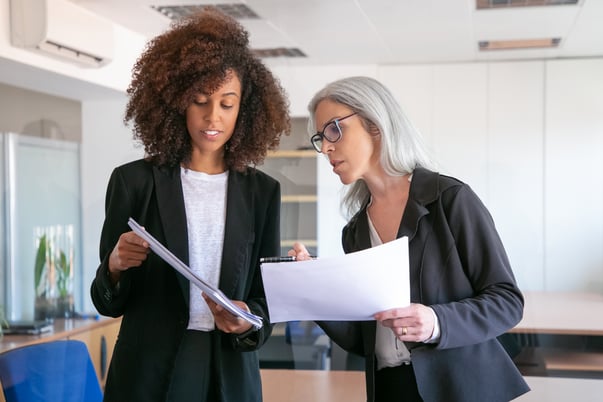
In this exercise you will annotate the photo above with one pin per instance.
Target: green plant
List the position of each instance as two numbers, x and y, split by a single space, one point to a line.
63 267
3 322
40 264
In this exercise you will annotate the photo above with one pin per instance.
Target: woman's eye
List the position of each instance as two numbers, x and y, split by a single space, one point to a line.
227 106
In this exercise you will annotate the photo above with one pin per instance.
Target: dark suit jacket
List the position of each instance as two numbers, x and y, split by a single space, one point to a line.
458 267
153 298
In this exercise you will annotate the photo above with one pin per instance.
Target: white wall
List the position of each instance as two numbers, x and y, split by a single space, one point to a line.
528 137
573 182
483 123
106 143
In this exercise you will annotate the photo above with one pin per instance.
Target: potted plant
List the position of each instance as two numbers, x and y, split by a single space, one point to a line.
3 322
65 298
53 274
44 303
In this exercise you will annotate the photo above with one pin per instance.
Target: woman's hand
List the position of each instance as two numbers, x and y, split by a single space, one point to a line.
300 252
225 321
414 323
130 251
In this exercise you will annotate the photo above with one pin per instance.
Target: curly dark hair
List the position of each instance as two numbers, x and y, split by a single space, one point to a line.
195 55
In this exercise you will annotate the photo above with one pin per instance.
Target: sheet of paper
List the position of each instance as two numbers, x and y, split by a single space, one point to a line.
215 294
352 287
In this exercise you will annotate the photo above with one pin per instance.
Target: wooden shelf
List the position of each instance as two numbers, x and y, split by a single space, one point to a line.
299 198
567 360
293 153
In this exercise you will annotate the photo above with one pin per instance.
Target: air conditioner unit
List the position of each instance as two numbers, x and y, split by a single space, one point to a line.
62 29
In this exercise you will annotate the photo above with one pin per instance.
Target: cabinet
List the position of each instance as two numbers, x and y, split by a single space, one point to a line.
294 166
100 341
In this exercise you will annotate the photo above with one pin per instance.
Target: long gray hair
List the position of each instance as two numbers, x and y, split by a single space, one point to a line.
402 146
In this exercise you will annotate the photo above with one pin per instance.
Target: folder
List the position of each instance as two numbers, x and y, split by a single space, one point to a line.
35 327
213 293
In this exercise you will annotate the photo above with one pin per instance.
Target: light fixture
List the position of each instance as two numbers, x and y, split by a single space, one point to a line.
518 44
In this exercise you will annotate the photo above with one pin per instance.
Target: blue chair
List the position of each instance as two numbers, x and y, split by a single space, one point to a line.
58 371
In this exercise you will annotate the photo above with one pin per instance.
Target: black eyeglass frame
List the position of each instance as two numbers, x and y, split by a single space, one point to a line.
320 135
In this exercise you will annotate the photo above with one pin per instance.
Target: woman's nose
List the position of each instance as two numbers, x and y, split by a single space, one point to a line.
326 147
212 113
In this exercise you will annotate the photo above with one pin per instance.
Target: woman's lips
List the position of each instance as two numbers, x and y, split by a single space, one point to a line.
336 164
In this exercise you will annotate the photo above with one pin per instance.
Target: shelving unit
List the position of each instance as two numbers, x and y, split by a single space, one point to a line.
294 166
296 345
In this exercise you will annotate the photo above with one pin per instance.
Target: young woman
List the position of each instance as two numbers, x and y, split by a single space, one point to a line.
205 110
443 346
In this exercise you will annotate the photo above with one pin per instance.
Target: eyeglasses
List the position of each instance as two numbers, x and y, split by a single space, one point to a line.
330 132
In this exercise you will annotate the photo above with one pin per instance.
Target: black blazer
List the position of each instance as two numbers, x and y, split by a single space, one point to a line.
458 267
153 298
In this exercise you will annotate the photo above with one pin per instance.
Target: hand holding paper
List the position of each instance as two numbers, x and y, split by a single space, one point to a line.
352 287
215 294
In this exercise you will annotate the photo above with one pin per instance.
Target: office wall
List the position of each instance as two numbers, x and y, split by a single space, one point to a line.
106 143
573 182
528 138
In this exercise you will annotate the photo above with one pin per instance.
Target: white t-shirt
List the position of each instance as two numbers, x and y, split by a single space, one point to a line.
205 205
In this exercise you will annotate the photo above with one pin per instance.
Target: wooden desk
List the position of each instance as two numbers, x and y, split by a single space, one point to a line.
313 385
562 313
349 386
553 389
62 329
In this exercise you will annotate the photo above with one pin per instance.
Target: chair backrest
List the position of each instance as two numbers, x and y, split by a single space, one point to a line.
58 371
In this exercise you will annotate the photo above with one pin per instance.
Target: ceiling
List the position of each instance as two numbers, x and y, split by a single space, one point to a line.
391 31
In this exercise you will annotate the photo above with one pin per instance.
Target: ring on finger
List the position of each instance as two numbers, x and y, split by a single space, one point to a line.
404 331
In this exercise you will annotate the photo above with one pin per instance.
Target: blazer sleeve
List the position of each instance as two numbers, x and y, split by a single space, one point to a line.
109 300
496 303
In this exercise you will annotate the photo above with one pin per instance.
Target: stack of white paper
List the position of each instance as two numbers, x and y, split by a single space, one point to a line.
352 287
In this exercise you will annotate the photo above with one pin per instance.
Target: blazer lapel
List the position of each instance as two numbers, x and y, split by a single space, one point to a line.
422 191
238 231
170 202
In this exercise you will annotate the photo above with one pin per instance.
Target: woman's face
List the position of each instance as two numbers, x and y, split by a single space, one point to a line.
356 154
211 119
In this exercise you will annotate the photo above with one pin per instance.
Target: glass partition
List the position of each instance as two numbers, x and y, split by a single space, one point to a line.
42 202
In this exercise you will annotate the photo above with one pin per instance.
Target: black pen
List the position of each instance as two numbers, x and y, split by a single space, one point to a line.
287 258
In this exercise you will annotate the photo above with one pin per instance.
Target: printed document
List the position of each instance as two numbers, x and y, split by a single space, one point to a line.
352 287
213 293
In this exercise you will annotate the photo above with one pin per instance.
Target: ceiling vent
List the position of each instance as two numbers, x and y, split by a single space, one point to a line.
279 52
519 44
237 10
495 4
63 30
